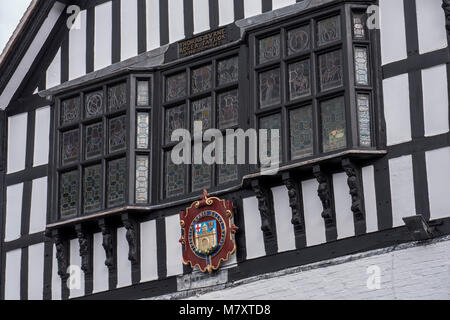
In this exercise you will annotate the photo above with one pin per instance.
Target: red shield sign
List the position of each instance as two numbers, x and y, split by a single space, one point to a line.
207 233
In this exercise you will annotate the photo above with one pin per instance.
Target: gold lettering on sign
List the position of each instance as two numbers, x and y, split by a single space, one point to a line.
202 43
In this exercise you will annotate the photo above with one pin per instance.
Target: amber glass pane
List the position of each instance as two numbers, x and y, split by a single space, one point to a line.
333 124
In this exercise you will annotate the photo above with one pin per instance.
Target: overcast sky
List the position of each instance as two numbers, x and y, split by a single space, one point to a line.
11 11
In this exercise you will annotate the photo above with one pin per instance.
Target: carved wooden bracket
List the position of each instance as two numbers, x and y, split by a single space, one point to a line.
265 206
61 254
354 182
132 237
85 249
108 243
295 201
326 195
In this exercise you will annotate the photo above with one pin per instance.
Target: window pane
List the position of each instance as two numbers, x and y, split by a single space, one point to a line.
117 96
201 177
359 31
176 86
92 186
94 140
68 194
228 171
329 30
117 134
227 71
201 111
361 70
174 178
142 169
70 110
70 146
299 80
269 88
272 122
201 79
143 94
174 120
333 124
364 120
94 104
301 132
143 130
228 104
116 181
269 48
330 70
298 40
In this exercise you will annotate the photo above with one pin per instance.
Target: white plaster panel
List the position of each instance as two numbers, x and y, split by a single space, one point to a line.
13 212
314 223
76 279
397 109
103 35
129 29
226 12
435 100
123 264
36 272
176 20
56 279
100 270
393 35
201 15
438 176
283 217
149 257
276 4
252 8
38 213
17 142
53 75
343 203
254 238
370 200
431 25
41 136
402 189
174 249
12 274
77 47
153 32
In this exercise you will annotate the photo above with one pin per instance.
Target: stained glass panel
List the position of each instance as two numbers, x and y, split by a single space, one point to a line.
228 171
333 124
68 194
70 110
228 104
143 93
94 140
201 111
117 97
70 146
330 70
201 176
298 40
359 31
174 120
92 188
269 88
116 181
117 134
272 122
299 79
94 104
142 169
269 48
176 86
143 130
301 131
364 120
227 71
201 79
361 69
175 175
329 30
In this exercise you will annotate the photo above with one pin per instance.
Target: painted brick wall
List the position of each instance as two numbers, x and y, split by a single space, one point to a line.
410 271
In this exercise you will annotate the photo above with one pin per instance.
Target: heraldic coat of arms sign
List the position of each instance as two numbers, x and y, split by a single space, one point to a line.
207 233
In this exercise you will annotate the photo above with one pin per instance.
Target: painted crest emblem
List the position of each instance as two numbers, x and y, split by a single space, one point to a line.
207 233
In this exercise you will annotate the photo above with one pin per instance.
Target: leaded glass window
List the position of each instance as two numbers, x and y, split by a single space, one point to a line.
228 108
143 93
361 66
176 86
359 30
333 124
363 104
331 70
227 71
269 48
92 188
299 79
175 178
116 182
269 88
143 130
117 97
272 122
301 132
70 110
68 196
94 104
228 171
94 140
201 111
201 79
329 30
299 40
175 119
117 134
70 146
142 179
201 176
